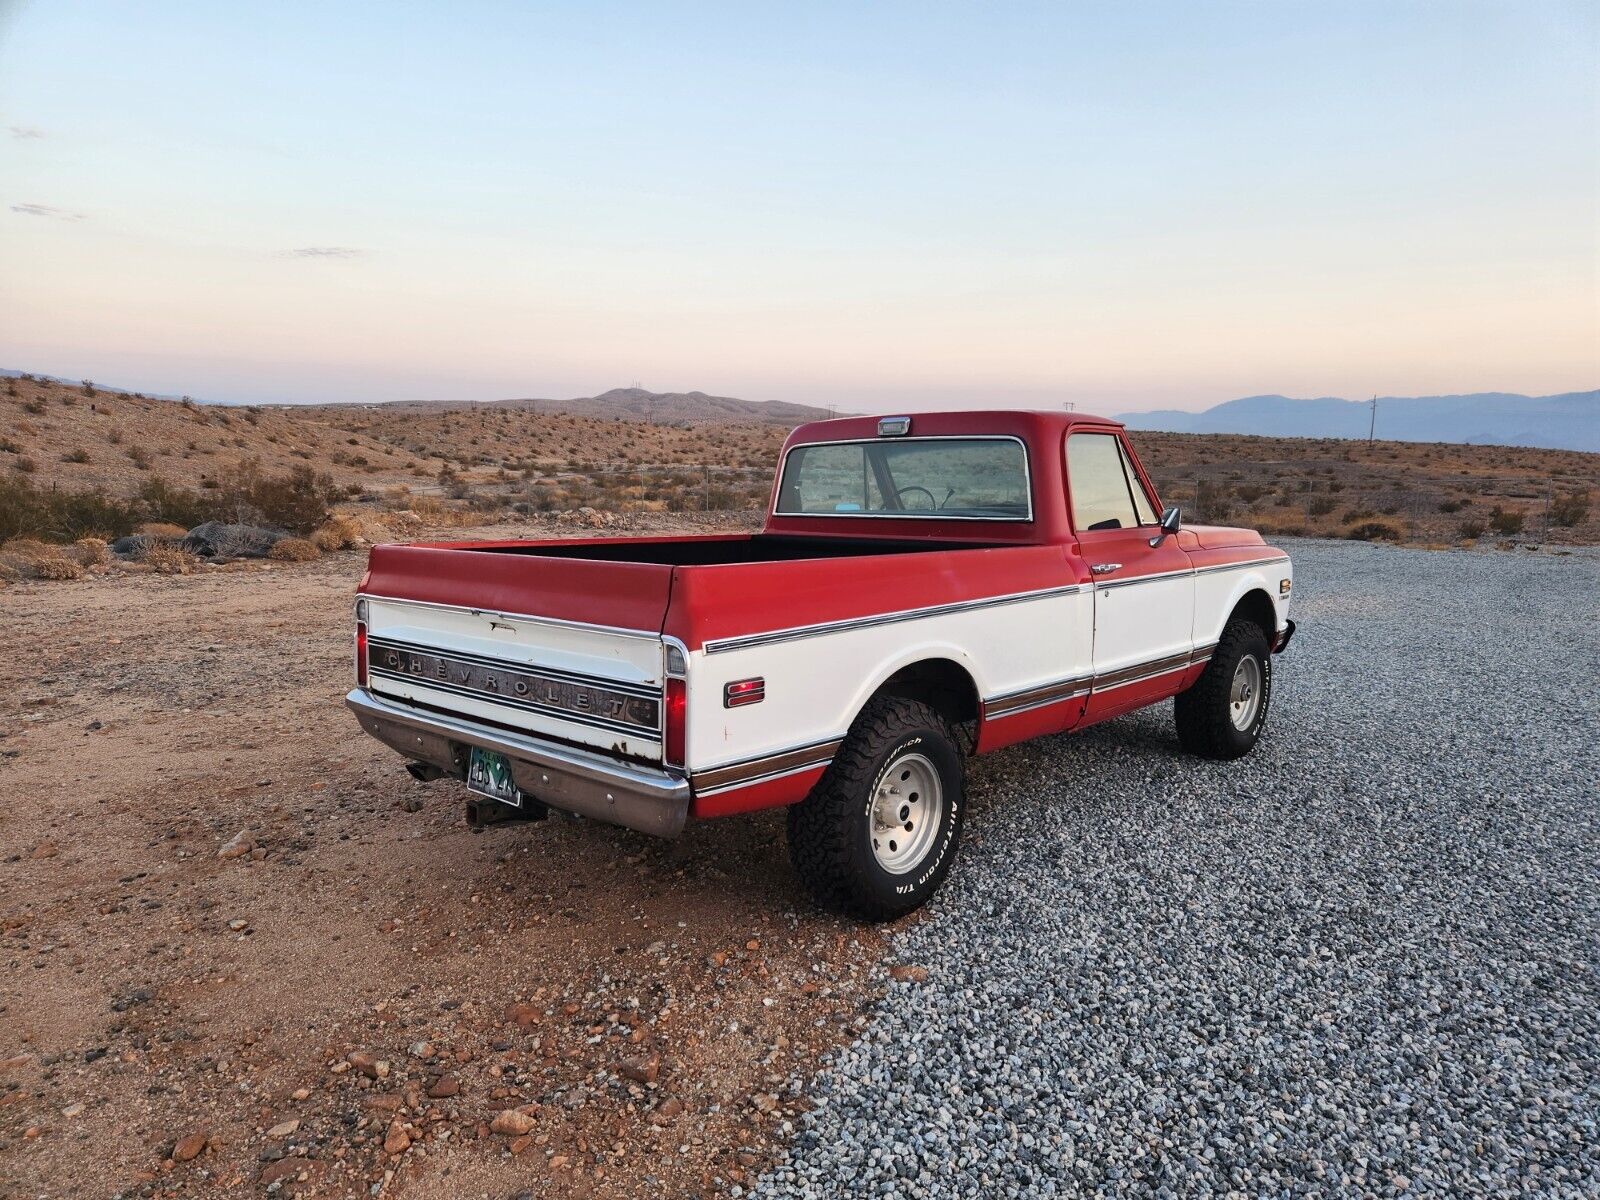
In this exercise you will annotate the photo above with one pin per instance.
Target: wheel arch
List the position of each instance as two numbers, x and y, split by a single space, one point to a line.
939 680
1257 607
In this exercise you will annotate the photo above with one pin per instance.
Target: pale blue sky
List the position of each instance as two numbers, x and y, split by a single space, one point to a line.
1124 205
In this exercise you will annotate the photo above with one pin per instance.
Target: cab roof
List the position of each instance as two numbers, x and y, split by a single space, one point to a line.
1031 425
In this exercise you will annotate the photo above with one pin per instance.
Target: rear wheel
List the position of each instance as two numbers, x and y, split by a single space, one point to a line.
878 833
1223 713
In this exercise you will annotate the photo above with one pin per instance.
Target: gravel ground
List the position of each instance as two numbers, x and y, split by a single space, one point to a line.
1361 961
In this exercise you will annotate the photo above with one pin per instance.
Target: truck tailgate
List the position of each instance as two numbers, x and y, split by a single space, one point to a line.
568 649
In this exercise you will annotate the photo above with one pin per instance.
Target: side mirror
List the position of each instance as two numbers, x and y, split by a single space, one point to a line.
1171 521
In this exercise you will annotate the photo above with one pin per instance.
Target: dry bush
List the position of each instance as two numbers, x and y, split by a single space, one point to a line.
294 550
340 533
55 567
1508 521
1472 529
91 551
1571 509
170 560
27 549
1375 531
162 529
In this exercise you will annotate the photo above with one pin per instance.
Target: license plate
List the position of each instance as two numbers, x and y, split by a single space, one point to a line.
489 774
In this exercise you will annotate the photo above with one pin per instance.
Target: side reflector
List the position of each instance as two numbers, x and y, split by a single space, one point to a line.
361 655
1283 586
677 699
744 691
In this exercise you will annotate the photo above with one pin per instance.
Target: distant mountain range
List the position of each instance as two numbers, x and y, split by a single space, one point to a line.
1570 421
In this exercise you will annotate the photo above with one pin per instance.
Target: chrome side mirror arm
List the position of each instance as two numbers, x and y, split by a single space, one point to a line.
1171 522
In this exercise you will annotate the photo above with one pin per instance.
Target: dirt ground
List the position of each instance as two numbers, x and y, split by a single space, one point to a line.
244 952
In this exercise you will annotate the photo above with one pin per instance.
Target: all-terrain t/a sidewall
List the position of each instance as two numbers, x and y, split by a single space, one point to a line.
900 893
830 831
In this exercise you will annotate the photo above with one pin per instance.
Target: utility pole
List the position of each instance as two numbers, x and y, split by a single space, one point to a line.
1372 424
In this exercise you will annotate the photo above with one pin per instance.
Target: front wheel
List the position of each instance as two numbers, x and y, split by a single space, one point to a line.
1224 711
878 833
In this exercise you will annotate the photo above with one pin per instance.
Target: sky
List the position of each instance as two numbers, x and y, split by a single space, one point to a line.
1119 205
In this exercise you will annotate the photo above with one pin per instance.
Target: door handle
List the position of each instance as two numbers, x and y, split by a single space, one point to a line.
1105 568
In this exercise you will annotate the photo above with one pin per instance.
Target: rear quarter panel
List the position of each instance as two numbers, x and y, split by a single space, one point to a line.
1008 617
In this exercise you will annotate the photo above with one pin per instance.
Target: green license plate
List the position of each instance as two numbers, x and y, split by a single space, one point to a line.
489 774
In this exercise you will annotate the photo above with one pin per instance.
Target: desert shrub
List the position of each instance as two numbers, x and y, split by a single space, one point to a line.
1321 506
1375 531
339 533
91 550
60 515
1571 509
139 457
169 560
80 455
165 530
36 407
26 465
1211 501
294 550
1506 521
10 447
56 567
1250 492
1452 506
1471 530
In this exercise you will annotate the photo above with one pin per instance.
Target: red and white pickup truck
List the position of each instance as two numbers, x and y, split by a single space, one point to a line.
925 588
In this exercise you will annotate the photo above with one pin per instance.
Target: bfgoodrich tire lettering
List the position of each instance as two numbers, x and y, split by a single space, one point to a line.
831 831
1223 713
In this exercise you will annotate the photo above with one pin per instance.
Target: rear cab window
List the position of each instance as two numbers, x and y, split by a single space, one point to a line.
1105 489
978 478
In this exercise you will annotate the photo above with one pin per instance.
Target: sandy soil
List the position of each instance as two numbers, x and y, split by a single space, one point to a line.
359 991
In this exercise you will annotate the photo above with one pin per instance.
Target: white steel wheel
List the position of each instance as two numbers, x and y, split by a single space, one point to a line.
1244 695
907 812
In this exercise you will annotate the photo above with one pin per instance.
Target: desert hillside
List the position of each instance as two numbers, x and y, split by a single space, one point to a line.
517 458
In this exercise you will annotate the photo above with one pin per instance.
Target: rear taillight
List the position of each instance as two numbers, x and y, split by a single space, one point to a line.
677 701
361 654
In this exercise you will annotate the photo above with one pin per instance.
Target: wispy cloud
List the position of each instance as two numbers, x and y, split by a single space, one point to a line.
44 210
26 132
323 252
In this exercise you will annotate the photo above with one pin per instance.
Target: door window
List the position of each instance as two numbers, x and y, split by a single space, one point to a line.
1099 486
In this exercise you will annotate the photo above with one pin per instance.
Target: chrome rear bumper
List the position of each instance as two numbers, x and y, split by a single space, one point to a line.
638 797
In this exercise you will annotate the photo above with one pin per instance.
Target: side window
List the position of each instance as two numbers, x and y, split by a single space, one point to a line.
1098 483
1141 502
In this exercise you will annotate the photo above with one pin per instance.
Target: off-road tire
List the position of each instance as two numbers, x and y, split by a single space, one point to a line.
1205 722
830 831
1203 712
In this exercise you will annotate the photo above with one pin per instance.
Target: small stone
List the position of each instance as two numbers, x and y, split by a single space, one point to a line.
189 1147
670 1108
397 1140
300 1094
444 1087
523 1015
283 1129
641 1070
74 1110
512 1122
518 1145
368 1064
237 846
237 924
908 974
45 850
284 1168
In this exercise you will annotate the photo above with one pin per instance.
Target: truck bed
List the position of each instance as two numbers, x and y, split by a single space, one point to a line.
720 549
